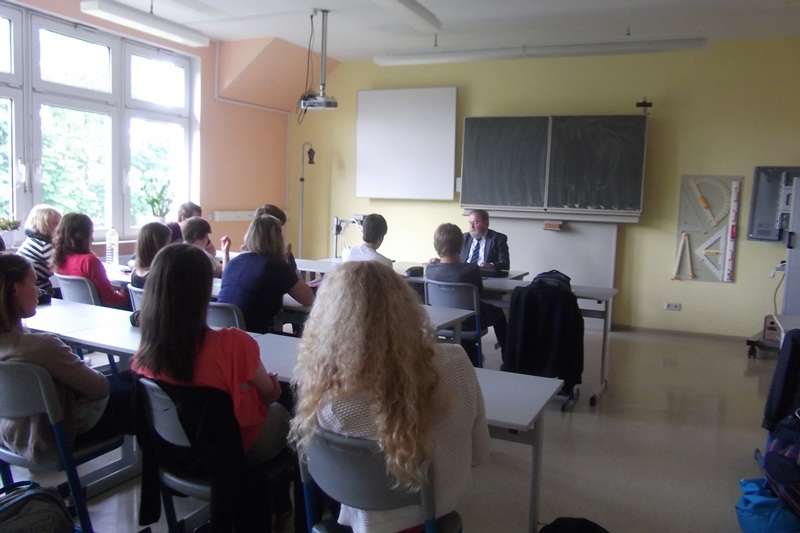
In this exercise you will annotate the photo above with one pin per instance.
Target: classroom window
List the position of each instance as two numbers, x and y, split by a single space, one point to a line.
170 91
97 119
76 161
157 157
5 45
75 62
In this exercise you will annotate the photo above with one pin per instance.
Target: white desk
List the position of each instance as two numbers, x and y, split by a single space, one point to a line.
62 317
440 317
312 267
116 275
448 318
514 403
109 330
119 278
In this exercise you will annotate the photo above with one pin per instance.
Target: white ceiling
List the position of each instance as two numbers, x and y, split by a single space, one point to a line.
359 29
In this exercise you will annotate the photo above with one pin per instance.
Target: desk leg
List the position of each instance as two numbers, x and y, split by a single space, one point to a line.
536 472
457 333
603 354
114 473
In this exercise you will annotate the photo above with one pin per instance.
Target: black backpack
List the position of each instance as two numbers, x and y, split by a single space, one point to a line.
552 279
25 506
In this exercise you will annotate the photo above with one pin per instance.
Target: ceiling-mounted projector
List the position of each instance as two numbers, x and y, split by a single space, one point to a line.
309 99
318 101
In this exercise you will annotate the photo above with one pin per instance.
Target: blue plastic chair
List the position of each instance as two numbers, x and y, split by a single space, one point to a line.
458 296
26 390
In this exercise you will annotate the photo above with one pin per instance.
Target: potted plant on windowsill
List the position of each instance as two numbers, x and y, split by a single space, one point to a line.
8 230
158 196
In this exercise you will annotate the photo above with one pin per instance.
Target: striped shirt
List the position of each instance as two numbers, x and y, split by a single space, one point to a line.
39 252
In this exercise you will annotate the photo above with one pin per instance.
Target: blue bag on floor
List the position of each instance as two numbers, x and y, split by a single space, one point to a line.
760 511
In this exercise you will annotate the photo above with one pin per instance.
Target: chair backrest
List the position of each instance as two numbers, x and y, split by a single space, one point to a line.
136 297
164 414
78 289
448 294
221 315
353 471
27 389
202 419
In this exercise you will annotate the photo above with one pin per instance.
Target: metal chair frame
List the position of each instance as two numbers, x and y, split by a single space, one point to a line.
27 389
458 296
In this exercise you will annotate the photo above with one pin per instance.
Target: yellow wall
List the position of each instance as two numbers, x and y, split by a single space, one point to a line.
721 111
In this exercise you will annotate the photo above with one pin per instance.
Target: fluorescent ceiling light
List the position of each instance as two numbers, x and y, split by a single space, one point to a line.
412 13
544 50
143 21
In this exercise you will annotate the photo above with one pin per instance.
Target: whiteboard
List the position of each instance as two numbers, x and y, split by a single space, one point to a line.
406 143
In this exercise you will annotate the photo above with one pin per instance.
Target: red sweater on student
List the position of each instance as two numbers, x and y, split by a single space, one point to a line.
89 266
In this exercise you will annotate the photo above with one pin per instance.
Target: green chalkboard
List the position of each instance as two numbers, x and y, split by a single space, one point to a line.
504 161
559 164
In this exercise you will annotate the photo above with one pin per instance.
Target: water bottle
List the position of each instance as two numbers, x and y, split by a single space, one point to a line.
112 246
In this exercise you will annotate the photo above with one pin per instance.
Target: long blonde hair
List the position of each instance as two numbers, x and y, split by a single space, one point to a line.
368 335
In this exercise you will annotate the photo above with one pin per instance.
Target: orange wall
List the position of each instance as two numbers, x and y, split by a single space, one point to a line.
243 149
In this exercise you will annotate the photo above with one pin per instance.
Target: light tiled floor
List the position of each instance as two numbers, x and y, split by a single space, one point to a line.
663 450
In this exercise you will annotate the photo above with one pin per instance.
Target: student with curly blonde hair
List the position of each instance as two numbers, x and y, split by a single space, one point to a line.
369 367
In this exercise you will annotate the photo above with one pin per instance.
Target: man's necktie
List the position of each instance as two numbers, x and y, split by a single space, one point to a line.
476 250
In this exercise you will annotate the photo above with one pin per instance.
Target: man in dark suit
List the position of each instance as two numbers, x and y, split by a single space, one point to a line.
484 246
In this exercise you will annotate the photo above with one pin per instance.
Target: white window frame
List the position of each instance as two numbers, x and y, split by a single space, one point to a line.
155 117
84 33
14 78
29 92
113 195
158 54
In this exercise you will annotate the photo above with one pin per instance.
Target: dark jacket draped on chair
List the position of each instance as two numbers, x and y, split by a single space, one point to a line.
545 334
784 390
240 495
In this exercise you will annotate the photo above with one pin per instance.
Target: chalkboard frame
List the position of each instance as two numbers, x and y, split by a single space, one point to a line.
586 167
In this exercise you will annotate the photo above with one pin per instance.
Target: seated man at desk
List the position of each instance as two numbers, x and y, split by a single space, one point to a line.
447 241
373 230
483 246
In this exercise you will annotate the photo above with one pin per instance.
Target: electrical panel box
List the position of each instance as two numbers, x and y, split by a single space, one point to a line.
771 203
